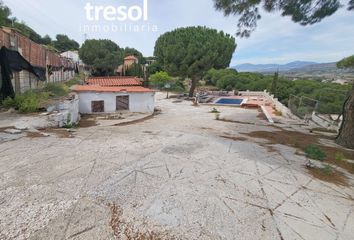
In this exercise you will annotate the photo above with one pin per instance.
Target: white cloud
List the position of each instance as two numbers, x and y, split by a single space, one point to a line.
277 39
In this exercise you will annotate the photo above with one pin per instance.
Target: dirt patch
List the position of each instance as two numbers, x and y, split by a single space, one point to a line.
123 230
234 138
335 176
59 132
2 129
34 134
138 120
234 121
86 122
269 147
301 140
135 121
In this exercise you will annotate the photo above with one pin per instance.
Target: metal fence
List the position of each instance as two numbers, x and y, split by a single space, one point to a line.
302 107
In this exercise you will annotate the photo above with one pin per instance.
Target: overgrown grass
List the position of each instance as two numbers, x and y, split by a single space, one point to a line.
56 89
314 152
27 102
327 170
76 80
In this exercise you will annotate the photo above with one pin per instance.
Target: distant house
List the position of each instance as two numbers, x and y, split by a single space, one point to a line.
128 62
114 94
341 82
73 55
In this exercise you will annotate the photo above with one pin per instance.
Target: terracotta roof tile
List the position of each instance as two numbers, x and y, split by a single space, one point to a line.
96 88
114 81
131 57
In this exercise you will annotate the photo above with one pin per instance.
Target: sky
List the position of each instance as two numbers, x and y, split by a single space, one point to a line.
276 40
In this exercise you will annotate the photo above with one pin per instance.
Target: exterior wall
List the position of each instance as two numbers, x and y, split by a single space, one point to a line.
68 112
138 102
24 80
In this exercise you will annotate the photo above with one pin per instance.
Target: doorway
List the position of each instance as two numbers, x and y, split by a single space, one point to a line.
97 106
122 103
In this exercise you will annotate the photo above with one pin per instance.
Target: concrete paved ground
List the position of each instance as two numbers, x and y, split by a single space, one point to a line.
170 177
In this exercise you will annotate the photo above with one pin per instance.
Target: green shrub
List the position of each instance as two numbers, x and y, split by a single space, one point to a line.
9 103
56 89
314 152
27 102
339 156
177 87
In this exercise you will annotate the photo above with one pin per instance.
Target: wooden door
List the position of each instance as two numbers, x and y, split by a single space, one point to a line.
122 103
97 106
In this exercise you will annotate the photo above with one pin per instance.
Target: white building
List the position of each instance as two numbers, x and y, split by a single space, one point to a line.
73 55
98 99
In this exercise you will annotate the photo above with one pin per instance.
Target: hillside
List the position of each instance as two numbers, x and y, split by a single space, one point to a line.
248 67
301 69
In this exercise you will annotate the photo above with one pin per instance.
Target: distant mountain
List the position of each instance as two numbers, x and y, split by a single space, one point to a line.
247 67
320 67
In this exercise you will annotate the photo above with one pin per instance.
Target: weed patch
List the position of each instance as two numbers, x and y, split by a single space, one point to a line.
314 152
56 89
301 141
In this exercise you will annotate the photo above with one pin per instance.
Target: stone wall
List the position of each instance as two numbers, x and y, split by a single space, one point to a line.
66 112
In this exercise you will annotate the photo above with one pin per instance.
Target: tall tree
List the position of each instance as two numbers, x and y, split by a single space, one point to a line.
346 132
46 40
5 13
192 51
103 55
274 84
305 12
64 43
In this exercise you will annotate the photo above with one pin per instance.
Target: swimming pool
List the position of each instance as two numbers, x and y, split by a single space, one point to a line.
229 101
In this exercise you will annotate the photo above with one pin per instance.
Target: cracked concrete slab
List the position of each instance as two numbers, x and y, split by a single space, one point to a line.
170 177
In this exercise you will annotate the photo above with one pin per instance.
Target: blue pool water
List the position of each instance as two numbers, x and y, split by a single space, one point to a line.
233 101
